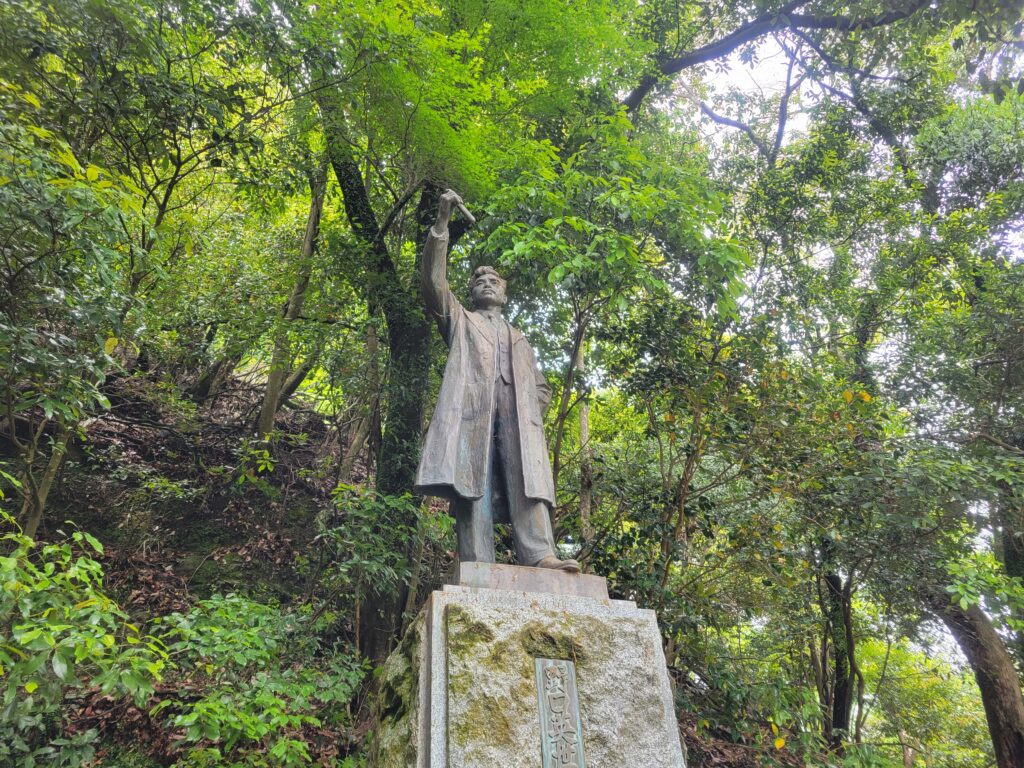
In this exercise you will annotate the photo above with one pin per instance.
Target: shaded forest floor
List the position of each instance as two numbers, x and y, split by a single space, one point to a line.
188 506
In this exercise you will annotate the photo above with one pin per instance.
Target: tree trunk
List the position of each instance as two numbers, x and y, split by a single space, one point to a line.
404 393
360 432
837 608
295 379
568 387
820 672
210 381
282 348
838 595
842 694
907 748
36 493
996 675
1010 519
586 460
356 441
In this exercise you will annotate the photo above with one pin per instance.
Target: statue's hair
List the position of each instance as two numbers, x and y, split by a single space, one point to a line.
486 270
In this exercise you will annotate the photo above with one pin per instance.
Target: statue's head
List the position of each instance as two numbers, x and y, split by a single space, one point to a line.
486 288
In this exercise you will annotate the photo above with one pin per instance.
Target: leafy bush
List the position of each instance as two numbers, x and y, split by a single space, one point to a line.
59 632
267 694
59 287
368 545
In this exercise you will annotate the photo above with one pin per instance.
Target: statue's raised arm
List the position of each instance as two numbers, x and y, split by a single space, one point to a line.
437 296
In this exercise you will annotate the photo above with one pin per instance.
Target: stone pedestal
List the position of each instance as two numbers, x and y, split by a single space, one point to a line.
491 676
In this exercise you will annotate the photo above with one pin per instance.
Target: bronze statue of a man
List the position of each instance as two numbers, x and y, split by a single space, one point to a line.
485 449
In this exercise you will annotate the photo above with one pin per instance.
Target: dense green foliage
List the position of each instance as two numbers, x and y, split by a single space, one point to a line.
783 324
60 633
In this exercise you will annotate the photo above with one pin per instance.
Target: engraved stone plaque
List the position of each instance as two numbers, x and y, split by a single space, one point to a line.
561 732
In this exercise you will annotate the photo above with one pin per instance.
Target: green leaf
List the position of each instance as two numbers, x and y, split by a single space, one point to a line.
60 666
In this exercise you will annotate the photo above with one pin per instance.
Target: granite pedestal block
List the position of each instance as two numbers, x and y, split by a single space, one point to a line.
483 668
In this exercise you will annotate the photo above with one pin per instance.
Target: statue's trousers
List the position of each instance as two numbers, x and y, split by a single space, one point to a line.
474 518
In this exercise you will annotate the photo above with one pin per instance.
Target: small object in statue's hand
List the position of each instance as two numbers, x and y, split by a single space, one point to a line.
466 213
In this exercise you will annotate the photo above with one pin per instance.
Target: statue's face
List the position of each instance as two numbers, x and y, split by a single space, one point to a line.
487 290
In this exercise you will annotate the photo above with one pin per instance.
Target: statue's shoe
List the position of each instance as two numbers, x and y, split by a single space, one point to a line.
569 566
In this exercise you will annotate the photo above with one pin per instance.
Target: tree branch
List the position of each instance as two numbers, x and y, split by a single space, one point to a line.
780 132
397 209
835 67
731 123
773 21
857 100
847 24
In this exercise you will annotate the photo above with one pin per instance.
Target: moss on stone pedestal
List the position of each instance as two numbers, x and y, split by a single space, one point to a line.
486 722
394 743
539 640
465 633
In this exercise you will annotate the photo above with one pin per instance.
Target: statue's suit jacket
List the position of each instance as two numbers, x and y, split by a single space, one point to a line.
458 445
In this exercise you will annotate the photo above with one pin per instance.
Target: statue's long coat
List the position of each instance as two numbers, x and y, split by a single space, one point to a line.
458 445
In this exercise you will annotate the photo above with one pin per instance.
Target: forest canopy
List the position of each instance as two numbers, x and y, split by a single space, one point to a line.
770 255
